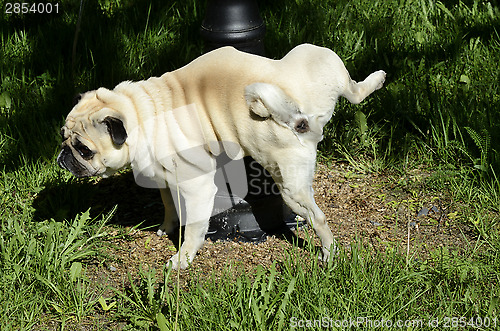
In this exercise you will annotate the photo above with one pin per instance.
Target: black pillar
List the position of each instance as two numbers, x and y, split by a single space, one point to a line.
238 23
235 23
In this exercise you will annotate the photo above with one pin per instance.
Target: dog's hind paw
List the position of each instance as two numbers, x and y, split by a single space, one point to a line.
329 253
380 77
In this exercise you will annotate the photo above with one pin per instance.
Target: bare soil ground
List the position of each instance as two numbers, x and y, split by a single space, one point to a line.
381 210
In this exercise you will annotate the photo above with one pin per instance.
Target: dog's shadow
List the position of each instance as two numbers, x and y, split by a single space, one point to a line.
135 204
143 207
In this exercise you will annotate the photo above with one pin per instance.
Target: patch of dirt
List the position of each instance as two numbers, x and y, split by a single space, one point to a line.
383 211
386 211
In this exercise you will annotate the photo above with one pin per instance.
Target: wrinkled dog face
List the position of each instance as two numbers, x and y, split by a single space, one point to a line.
94 136
77 155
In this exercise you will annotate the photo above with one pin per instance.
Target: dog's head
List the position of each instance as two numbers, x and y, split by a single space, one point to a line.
94 135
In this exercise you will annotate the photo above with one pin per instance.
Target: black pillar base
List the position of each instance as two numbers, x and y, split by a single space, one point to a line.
238 23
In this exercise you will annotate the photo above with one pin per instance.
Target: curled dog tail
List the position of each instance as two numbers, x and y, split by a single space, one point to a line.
268 100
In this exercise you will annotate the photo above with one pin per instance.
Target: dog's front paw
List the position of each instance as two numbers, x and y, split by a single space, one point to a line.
179 261
161 232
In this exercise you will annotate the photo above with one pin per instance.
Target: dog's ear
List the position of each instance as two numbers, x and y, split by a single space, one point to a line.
114 124
116 130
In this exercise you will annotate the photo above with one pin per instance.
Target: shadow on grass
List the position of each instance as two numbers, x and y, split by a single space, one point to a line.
135 42
143 206
135 203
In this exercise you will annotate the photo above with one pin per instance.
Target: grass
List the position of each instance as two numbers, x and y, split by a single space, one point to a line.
359 286
439 110
42 270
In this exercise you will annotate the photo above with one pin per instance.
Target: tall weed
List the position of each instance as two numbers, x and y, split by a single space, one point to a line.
41 268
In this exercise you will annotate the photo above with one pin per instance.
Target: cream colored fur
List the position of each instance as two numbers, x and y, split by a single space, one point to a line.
272 110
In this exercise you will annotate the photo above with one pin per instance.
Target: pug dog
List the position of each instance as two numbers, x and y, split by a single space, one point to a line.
170 129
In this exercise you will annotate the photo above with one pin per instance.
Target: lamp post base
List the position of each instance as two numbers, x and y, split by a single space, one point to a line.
238 23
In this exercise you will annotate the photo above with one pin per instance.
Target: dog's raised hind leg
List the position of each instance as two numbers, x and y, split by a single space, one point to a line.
357 92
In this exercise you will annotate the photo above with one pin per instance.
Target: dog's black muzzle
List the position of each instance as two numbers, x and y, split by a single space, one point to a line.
67 161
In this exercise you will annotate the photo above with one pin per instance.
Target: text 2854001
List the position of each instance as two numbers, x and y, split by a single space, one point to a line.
31 8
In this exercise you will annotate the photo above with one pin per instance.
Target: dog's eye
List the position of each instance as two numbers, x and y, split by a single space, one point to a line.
84 151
